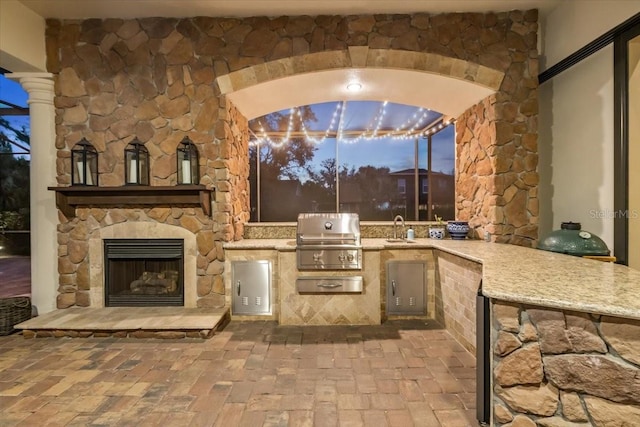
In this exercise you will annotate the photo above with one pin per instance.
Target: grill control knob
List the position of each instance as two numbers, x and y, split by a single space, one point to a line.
350 257
341 257
316 257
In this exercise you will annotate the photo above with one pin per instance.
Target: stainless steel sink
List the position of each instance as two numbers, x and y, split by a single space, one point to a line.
400 241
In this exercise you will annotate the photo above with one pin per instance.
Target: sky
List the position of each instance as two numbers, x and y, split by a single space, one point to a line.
12 92
394 154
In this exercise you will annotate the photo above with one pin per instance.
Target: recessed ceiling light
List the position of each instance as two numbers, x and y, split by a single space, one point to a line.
354 87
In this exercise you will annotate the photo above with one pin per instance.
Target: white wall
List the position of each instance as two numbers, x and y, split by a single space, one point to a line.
22 42
575 23
576 126
576 146
634 153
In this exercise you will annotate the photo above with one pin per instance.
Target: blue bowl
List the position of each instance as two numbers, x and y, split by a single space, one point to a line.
458 230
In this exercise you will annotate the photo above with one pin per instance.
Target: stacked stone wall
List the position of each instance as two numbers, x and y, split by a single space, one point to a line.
156 79
496 169
562 368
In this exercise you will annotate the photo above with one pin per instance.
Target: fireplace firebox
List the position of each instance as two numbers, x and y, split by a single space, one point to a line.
144 272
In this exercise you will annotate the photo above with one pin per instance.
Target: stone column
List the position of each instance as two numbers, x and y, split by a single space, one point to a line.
44 213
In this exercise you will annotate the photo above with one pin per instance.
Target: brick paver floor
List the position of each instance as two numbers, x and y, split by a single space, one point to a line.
402 373
15 276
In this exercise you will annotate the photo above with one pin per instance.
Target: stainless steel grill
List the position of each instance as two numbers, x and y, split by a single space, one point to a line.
328 241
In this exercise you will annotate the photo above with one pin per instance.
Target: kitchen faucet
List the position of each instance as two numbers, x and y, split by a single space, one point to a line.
395 225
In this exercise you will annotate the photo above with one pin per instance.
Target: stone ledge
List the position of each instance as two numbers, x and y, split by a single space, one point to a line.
127 322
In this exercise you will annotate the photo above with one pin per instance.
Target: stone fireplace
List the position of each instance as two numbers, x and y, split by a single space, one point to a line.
143 272
130 237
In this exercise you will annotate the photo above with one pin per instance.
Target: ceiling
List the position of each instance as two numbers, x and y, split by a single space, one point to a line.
448 96
78 9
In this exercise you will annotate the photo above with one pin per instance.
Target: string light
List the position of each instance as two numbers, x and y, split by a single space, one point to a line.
329 130
438 127
409 129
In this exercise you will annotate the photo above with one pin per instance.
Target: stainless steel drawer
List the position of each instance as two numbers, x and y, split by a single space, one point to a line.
329 284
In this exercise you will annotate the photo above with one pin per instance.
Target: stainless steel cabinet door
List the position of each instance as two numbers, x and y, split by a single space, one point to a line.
251 287
406 287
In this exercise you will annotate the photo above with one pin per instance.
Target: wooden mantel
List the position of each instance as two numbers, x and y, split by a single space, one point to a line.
68 198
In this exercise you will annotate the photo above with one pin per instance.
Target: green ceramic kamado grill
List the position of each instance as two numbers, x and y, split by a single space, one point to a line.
572 240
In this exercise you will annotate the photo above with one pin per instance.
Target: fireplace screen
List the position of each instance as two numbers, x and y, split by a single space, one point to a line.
144 272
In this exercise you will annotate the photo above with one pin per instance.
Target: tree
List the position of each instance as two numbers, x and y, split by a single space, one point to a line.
368 190
290 158
285 162
325 177
14 177
14 189
319 191
375 183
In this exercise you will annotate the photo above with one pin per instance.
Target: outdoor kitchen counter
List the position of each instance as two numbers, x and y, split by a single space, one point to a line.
523 275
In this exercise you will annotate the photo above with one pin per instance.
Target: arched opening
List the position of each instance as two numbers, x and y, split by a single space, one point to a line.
376 159
445 85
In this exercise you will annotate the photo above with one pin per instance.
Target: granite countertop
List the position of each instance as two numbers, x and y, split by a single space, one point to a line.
277 244
524 275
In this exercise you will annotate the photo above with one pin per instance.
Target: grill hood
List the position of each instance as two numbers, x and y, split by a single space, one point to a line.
328 241
328 229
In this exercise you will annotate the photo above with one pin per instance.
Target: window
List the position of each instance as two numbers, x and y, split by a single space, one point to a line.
402 186
363 157
14 189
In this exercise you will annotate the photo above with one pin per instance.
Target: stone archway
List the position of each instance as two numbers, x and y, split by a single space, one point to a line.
496 178
318 77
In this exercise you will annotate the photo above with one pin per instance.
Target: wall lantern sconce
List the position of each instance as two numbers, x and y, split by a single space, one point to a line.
187 155
84 164
136 163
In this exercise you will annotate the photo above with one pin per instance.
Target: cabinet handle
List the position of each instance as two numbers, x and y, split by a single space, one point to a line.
238 287
393 287
329 285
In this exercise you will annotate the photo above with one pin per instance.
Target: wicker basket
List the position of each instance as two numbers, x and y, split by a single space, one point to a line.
13 311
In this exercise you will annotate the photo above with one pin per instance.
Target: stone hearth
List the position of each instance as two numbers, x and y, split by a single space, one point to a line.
130 322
